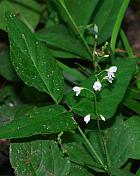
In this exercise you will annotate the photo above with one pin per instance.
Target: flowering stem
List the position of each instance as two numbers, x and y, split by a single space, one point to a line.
100 133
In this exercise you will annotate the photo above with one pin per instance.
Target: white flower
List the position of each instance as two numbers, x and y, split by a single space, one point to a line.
111 72
102 117
97 85
87 118
110 79
77 90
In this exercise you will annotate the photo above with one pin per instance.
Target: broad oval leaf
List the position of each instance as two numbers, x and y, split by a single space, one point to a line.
33 61
59 36
122 141
38 120
105 17
38 158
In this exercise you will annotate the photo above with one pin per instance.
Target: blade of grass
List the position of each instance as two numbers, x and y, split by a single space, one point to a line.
118 24
126 44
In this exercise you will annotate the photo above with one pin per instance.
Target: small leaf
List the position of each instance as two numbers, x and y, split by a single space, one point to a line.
28 11
39 120
122 142
38 158
33 61
6 67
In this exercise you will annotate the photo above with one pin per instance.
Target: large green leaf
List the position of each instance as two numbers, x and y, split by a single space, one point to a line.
133 125
58 36
77 170
33 61
110 95
28 10
122 142
79 155
120 172
38 158
38 120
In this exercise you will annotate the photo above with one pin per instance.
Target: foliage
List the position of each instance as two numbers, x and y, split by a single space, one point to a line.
69 102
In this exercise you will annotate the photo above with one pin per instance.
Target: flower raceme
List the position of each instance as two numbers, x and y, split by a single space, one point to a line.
97 84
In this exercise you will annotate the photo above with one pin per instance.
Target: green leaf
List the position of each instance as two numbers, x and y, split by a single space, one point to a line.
133 105
81 105
122 141
39 120
77 170
138 172
9 103
112 95
120 172
105 17
78 154
62 54
33 61
58 36
38 158
6 67
79 13
134 132
28 11
74 73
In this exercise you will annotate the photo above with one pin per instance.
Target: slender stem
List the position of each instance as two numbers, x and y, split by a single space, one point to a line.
91 148
76 28
100 133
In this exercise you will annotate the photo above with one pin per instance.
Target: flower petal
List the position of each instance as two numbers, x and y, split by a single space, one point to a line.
87 118
97 85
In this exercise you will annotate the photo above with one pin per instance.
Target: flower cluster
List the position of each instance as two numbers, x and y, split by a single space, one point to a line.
97 87
110 77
